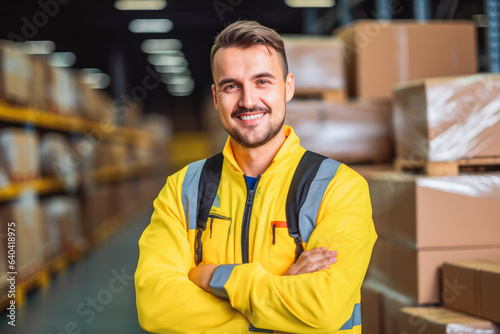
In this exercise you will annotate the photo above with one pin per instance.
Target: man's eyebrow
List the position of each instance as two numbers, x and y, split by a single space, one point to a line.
255 76
226 81
263 75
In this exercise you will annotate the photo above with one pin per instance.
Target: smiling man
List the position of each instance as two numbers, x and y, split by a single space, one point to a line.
265 236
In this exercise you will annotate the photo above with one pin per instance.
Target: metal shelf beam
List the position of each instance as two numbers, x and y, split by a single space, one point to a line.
493 15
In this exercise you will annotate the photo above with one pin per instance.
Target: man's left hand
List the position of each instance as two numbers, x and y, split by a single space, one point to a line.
202 275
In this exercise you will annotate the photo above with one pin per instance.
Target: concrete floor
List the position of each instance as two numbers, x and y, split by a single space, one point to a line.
95 295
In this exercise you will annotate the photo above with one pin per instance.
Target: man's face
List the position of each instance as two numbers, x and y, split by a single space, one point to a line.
250 93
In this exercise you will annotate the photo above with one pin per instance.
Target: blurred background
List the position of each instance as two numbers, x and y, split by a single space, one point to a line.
101 100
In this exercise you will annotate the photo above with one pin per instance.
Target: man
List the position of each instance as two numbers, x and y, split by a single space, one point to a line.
239 273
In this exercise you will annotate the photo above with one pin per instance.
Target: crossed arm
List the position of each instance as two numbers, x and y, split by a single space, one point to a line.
309 261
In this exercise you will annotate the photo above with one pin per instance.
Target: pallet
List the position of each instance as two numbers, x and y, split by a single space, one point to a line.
451 168
14 102
333 95
38 280
63 260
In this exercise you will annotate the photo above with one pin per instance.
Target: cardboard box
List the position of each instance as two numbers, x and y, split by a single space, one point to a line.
429 212
40 84
64 91
15 74
448 119
380 307
473 287
352 132
379 54
96 208
438 320
63 222
371 310
316 62
59 160
416 273
27 215
3 261
19 154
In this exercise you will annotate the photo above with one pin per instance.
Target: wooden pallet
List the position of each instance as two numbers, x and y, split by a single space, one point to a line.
38 280
451 168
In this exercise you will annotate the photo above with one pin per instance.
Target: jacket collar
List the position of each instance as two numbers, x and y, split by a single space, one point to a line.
288 155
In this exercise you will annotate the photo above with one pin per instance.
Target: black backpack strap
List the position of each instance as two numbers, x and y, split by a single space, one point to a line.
207 190
299 188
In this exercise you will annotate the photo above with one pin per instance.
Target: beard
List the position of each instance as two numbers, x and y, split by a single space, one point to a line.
263 138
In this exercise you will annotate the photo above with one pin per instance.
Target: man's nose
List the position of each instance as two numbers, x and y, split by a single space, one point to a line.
248 98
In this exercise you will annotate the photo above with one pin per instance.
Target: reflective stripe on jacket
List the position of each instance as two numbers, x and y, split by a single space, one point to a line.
255 296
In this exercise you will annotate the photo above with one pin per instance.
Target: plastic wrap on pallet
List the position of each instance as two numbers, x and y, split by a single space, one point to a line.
353 132
316 62
19 154
59 160
448 119
437 320
15 73
474 186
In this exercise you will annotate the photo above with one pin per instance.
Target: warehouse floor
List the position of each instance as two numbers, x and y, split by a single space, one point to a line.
96 294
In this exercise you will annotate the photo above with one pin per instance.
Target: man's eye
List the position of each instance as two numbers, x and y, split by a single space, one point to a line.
229 87
262 82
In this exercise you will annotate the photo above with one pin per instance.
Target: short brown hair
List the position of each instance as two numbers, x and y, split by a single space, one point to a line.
245 34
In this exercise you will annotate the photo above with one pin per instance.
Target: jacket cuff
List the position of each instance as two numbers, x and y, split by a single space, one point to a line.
219 279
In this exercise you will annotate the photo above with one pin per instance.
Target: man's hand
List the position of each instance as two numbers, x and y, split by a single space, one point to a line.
202 275
315 259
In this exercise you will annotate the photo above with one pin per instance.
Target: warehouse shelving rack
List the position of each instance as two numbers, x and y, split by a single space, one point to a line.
29 117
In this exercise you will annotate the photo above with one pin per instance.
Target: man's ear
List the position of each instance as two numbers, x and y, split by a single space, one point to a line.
290 86
214 95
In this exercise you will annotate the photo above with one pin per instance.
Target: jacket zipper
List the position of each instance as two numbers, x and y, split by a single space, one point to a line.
245 226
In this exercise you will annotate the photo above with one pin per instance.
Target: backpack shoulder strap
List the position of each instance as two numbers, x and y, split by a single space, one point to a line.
207 190
299 188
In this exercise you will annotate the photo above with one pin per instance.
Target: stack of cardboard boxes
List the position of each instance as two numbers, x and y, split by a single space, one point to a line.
414 87
62 188
426 211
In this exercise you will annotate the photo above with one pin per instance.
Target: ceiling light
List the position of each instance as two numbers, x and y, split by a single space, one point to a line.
310 3
161 60
171 53
181 85
37 47
160 45
173 70
140 4
62 59
150 25
174 93
178 79
96 78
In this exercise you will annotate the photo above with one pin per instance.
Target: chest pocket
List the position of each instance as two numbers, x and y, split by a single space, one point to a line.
215 239
281 248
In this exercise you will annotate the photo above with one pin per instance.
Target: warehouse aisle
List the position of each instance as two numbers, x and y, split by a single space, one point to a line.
95 295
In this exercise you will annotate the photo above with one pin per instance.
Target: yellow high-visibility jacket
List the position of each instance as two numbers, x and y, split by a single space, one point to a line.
255 296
